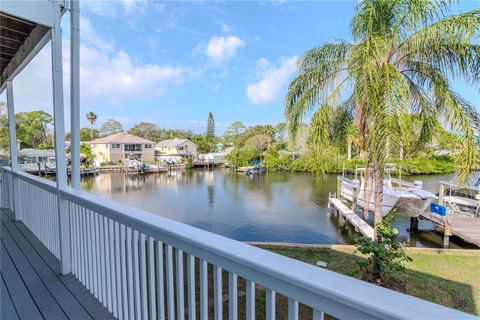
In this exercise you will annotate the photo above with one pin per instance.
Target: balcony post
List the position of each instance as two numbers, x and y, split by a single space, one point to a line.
60 154
12 132
75 93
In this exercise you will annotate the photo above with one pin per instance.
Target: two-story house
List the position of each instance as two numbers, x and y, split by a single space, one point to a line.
120 146
177 147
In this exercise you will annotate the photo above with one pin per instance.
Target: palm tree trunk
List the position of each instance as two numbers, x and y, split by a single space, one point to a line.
91 131
378 193
349 150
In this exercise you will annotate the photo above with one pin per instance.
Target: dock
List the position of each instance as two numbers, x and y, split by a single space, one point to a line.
359 224
463 226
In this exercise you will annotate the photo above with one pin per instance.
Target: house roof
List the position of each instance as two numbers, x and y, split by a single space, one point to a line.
173 143
36 153
122 137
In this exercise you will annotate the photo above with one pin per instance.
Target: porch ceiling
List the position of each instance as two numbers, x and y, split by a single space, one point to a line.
18 38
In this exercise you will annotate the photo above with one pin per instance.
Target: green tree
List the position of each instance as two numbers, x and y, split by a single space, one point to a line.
92 118
4 136
210 134
281 130
147 130
86 134
402 55
260 142
32 129
233 132
110 127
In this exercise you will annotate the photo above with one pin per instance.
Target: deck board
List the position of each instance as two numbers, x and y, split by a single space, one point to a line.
32 280
19 294
64 298
7 309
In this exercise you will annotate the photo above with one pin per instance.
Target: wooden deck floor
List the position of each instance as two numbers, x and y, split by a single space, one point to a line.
31 285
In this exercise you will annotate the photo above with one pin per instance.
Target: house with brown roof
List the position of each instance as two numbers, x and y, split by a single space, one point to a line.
120 146
176 147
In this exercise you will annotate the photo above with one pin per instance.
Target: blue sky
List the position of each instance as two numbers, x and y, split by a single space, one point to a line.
173 62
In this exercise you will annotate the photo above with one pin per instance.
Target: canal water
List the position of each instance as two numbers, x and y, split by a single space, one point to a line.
277 206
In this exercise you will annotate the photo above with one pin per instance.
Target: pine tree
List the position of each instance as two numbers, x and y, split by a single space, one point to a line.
210 134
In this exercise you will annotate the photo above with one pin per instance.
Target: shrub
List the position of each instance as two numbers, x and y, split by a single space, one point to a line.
385 255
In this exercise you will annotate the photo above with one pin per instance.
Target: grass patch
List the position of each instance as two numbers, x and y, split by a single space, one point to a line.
449 279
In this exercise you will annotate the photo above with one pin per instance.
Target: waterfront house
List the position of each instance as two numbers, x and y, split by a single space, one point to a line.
176 147
33 160
120 146
70 254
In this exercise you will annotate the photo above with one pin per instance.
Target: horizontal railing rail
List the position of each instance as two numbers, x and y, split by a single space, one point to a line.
141 265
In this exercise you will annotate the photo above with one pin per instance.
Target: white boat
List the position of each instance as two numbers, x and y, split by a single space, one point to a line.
411 200
348 187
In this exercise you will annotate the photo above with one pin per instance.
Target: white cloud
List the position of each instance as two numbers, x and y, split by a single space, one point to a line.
226 28
109 8
222 49
135 7
273 80
160 7
106 74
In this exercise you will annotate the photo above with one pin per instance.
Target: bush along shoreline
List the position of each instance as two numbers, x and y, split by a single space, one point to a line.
336 165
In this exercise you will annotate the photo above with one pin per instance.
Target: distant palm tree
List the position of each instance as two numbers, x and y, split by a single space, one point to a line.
92 118
400 61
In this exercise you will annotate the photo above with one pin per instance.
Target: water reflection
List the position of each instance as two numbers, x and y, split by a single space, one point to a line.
278 206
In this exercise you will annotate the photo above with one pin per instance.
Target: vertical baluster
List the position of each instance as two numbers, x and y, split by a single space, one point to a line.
95 264
76 227
232 296
123 264
108 264
73 240
180 286
292 309
143 277
217 293
170 293
203 290
191 286
81 257
250 300
118 274
151 279
86 249
112 264
270 294
101 242
160 282
318 315
98 263
93 254
131 306
136 278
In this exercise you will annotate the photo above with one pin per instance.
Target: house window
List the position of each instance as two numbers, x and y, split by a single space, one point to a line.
133 147
115 145
180 148
148 146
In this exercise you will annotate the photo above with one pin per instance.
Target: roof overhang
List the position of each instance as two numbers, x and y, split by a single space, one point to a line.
24 31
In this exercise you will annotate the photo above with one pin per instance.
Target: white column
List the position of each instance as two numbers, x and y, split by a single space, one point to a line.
13 148
11 126
60 156
75 92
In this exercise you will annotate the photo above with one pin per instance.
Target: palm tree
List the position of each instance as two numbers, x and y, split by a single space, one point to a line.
92 118
400 61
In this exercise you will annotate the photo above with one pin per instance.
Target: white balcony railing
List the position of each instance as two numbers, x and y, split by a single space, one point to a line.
129 259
